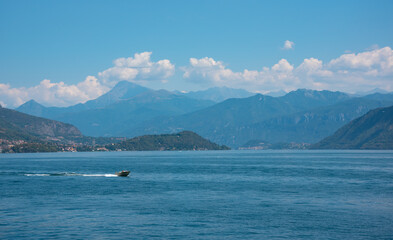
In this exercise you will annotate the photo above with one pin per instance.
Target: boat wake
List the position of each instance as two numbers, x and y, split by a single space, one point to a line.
65 174
99 175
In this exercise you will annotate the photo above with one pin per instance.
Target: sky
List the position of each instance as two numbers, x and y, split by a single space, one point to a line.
64 52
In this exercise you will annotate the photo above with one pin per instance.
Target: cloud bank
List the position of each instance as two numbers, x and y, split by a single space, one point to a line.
53 94
139 69
349 72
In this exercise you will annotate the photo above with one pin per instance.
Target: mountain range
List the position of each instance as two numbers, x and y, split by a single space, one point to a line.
125 105
300 116
129 110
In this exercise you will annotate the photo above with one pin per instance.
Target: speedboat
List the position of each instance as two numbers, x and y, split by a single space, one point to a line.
123 173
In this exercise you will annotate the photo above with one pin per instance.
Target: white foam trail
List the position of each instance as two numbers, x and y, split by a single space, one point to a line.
38 174
99 175
68 175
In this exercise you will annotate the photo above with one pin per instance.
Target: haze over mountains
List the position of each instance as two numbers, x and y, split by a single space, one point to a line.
218 94
226 116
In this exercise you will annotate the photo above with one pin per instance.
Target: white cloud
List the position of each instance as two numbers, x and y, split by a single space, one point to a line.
137 69
282 66
313 67
53 94
210 72
349 72
11 97
380 60
209 69
92 88
288 45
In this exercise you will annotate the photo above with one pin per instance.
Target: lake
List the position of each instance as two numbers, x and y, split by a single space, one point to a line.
198 195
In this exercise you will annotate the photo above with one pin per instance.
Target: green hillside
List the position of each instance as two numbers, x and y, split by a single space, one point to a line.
185 140
10 132
15 125
374 130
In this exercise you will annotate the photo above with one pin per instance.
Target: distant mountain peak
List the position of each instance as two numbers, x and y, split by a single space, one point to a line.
31 102
125 84
259 96
278 93
122 91
31 107
304 91
373 91
125 90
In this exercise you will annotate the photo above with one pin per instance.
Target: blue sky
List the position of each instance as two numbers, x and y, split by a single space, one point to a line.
64 42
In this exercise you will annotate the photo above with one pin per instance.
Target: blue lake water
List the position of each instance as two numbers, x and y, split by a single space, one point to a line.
198 195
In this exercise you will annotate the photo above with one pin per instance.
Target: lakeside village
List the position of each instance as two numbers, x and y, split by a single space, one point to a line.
22 146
